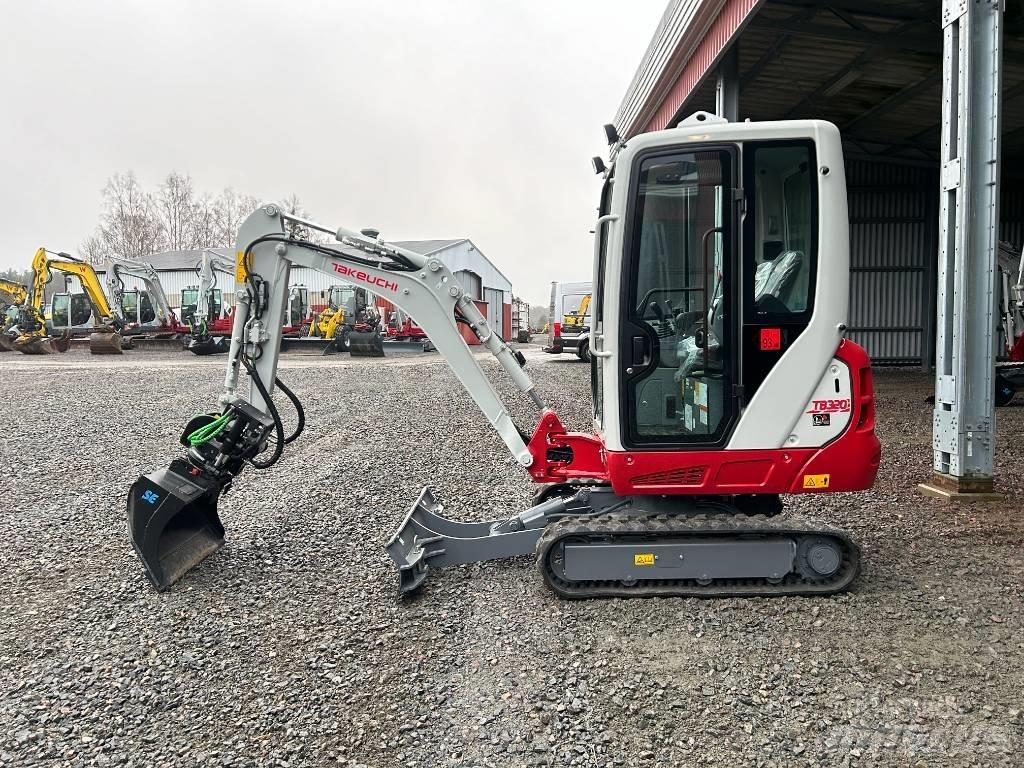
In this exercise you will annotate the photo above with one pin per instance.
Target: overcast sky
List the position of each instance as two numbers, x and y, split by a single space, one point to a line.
435 119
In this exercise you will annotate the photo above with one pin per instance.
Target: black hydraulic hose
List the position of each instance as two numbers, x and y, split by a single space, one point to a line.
299 412
278 426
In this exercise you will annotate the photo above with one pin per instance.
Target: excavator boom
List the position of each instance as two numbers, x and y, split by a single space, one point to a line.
200 341
172 515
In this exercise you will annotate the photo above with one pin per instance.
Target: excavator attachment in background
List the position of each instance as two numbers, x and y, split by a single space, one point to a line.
106 341
363 343
37 344
207 344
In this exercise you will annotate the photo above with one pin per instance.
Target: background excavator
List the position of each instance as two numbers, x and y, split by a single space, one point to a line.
12 297
145 311
351 320
714 394
209 332
33 339
570 330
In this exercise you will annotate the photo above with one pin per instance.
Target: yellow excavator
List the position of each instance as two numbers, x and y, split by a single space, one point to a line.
351 321
32 338
577 319
12 298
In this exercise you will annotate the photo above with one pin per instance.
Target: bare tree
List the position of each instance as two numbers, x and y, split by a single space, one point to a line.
229 210
176 208
204 223
128 226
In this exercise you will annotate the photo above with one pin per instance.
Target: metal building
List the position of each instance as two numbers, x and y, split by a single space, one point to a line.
477 275
929 97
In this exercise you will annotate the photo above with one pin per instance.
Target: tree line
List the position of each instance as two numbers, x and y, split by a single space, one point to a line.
135 223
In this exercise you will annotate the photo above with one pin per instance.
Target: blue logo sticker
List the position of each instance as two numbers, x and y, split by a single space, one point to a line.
150 498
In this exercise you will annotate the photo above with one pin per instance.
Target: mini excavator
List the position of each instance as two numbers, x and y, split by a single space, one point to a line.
202 341
721 381
33 339
140 311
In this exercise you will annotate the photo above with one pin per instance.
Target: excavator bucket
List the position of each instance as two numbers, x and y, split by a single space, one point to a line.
365 344
105 343
32 344
173 522
207 345
6 342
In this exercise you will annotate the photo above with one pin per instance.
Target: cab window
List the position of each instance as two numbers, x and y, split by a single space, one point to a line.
783 246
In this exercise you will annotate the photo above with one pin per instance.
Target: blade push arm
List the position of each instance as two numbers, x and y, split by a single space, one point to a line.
421 286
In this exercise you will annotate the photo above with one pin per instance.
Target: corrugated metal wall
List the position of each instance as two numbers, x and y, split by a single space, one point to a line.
892 258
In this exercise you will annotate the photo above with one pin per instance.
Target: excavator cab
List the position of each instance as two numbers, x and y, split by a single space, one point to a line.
137 308
70 312
190 299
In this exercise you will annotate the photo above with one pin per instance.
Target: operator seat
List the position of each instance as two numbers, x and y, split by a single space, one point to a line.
777 281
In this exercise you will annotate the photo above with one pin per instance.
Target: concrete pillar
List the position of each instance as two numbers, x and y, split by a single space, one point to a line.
964 419
727 86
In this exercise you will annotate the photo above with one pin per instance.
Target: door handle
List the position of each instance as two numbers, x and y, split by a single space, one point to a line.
641 351
599 339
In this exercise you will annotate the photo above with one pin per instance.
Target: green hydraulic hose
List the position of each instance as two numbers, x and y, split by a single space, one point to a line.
206 433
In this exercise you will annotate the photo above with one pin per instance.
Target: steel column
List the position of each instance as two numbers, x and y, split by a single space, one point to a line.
727 86
964 423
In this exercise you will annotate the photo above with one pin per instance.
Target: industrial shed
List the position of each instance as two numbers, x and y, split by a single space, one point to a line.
477 275
475 272
929 97
875 70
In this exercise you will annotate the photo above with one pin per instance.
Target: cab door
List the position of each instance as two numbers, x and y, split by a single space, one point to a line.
677 358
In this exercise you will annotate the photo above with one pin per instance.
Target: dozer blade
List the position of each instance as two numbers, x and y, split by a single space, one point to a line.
207 345
105 343
365 344
427 539
173 522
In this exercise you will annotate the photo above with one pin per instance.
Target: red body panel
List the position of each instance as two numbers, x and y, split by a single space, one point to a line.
850 460
406 329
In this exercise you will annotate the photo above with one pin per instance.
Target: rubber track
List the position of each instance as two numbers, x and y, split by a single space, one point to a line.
617 526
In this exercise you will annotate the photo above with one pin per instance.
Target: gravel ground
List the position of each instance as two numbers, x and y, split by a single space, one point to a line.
291 648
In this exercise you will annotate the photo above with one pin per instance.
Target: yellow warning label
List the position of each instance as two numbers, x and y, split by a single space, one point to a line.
643 558
816 481
240 271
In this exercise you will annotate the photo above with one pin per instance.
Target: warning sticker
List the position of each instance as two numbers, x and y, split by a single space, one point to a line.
643 558
816 481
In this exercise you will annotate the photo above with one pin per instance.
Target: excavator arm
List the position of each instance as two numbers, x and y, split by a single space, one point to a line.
211 263
172 515
117 267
